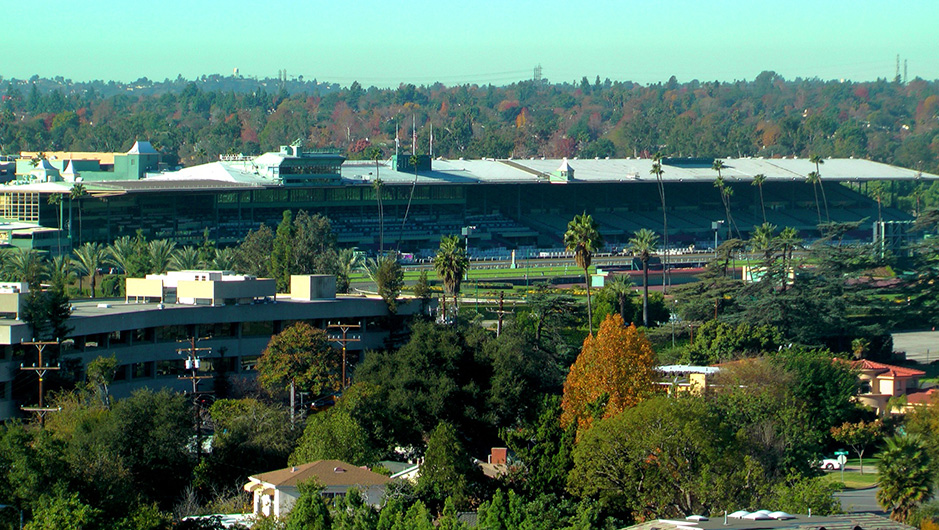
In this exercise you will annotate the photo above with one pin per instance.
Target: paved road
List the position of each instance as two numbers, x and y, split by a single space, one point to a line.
922 346
854 501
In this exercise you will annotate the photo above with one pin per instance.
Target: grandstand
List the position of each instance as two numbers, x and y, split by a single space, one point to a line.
512 203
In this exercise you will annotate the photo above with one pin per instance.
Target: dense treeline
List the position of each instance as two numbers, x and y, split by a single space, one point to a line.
194 122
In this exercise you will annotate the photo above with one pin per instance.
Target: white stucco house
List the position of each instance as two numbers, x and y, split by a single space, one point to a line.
275 492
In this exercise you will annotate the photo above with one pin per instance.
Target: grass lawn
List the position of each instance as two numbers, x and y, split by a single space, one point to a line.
853 479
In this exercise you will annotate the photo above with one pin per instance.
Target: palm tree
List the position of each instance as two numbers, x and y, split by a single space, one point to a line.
378 185
25 265
89 258
758 181
121 254
583 239
906 479
223 260
643 245
349 261
814 179
763 240
725 192
818 161
621 287
413 160
450 264
657 171
61 272
77 193
789 240
185 259
56 200
160 251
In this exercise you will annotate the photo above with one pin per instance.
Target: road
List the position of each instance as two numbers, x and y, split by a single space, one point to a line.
854 501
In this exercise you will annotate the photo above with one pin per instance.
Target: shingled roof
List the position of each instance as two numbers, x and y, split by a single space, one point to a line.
325 472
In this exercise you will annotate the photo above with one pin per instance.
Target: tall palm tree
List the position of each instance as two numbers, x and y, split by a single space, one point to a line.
643 245
89 258
375 154
657 171
818 161
160 251
725 192
56 200
583 239
413 160
906 478
77 193
185 259
450 264
621 287
758 181
814 179
763 239
789 240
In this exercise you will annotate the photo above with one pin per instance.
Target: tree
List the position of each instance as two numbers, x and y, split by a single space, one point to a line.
61 272
447 470
335 435
378 186
100 374
451 264
814 179
129 255
63 512
614 371
858 435
160 254
185 259
388 276
906 477
300 357
726 193
24 265
350 262
310 511
253 255
77 193
583 239
47 312
282 251
664 458
643 244
621 287
818 160
657 171
758 181
89 258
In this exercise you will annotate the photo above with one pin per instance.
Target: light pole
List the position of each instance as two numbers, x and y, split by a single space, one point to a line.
3 506
716 225
467 231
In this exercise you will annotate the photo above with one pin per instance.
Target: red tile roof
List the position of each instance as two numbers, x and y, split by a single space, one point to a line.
925 397
891 370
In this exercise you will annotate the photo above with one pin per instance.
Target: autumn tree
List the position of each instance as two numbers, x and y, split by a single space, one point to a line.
614 371
858 435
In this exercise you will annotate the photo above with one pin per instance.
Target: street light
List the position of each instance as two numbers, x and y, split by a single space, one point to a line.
716 225
2 506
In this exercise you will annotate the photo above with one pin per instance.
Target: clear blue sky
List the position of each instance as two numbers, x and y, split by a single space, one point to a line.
473 41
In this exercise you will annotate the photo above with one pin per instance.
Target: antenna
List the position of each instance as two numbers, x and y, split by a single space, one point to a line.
397 141
413 135
538 73
897 77
904 71
431 140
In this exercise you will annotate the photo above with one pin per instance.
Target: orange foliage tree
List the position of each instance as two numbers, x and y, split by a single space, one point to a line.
614 371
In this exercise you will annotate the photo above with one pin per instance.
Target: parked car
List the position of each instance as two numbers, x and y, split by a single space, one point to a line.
830 464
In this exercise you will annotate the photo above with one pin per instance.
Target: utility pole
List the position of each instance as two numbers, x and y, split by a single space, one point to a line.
343 340
193 364
40 370
501 312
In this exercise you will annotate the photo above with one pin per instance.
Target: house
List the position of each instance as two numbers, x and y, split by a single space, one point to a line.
879 383
275 492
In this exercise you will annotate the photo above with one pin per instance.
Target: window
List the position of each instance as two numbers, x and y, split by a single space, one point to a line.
248 363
